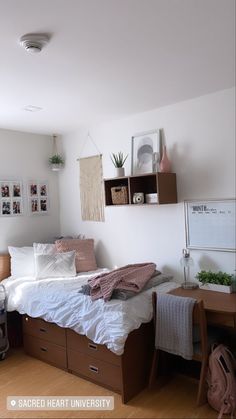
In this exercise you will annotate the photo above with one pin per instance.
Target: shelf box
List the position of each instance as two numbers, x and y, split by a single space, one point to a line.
166 188
115 182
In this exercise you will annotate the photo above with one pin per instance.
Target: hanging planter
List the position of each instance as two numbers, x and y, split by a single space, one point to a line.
56 161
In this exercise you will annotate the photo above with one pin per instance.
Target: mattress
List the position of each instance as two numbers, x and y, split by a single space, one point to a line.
58 300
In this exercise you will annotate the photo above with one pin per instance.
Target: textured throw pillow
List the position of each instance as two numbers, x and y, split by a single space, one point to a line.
84 253
44 248
57 265
22 261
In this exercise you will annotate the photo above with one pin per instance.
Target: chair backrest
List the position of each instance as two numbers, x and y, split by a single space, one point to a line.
199 321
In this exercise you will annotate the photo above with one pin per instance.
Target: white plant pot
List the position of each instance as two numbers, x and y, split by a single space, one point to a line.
220 288
55 167
120 171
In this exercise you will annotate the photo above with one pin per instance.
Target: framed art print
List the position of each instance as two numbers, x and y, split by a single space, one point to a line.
145 152
38 197
11 198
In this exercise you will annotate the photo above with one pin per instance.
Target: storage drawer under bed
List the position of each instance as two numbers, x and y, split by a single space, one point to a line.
46 351
44 330
99 371
126 374
82 344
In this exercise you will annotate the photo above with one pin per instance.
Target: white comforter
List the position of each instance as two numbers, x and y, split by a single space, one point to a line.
58 301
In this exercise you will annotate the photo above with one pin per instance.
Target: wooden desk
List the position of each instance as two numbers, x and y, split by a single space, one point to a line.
220 307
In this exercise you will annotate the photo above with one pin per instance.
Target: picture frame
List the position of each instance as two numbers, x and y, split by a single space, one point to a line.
210 224
146 152
6 207
38 197
11 198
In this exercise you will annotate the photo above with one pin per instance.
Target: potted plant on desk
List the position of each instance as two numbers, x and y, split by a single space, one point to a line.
216 281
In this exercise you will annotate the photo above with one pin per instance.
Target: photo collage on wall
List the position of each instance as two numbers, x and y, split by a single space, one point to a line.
11 195
38 197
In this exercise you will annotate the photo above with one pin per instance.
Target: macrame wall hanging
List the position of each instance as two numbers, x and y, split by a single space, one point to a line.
91 186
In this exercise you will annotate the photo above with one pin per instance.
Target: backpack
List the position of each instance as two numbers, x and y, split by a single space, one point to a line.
221 380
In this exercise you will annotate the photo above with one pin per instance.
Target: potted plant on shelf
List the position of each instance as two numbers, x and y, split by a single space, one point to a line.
216 281
119 160
56 162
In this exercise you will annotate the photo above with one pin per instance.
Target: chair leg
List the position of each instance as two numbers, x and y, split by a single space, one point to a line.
202 387
153 370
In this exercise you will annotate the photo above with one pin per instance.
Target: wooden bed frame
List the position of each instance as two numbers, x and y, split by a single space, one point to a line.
126 374
4 266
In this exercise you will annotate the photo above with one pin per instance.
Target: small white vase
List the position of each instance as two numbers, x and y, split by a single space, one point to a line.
120 171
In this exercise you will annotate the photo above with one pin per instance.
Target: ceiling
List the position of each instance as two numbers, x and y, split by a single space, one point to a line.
108 59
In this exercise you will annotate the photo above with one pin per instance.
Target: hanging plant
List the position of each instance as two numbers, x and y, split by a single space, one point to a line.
56 161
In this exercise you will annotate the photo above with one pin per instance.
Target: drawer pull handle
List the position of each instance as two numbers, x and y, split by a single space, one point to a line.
43 349
42 329
92 346
93 369
27 319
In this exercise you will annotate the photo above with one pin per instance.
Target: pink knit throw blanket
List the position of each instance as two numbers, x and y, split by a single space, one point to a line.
129 277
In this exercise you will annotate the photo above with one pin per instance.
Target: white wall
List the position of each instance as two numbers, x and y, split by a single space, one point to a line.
24 157
200 141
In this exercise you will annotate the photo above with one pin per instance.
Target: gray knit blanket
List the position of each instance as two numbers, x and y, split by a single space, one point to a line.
174 330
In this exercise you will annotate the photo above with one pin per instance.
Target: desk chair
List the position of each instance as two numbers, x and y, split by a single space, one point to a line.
200 349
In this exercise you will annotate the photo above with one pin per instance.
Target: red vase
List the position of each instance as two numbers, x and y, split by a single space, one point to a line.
165 166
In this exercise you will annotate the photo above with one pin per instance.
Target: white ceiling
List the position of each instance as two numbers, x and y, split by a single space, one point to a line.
110 58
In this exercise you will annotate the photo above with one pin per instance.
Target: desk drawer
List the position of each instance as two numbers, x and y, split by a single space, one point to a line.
83 344
44 330
46 351
95 369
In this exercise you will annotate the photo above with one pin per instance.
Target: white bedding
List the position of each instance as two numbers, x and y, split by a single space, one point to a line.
57 300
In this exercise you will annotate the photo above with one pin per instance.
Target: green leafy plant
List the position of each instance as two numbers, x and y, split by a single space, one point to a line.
118 159
56 159
220 278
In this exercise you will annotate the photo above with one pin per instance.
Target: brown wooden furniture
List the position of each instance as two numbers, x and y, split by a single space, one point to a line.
200 349
164 184
4 266
45 341
134 364
220 307
126 374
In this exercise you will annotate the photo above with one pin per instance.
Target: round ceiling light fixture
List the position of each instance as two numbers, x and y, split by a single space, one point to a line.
34 42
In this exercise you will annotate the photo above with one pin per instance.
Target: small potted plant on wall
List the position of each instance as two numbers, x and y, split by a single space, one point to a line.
56 162
216 281
119 160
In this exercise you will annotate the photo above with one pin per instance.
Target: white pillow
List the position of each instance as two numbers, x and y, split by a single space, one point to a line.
22 261
57 265
44 248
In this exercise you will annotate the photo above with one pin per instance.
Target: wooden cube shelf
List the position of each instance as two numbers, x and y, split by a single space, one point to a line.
162 184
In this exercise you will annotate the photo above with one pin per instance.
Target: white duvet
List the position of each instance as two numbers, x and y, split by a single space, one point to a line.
58 301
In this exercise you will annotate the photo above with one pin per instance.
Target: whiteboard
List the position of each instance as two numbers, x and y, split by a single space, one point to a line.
210 224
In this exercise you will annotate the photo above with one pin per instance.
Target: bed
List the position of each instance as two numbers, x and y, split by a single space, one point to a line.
107 343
